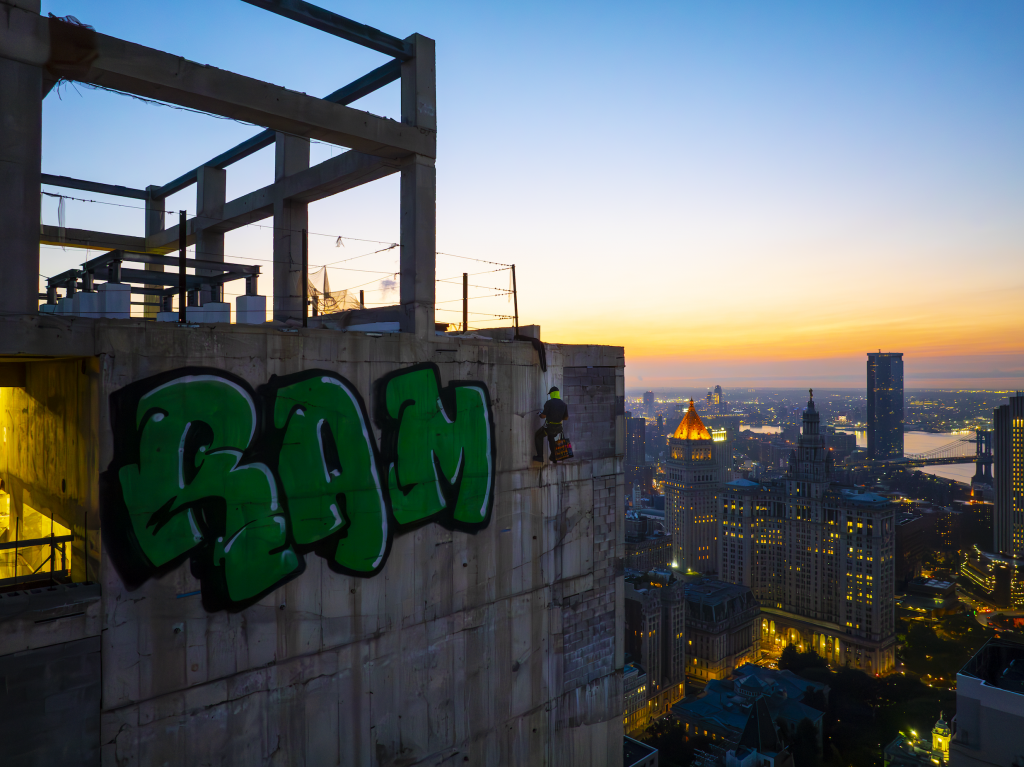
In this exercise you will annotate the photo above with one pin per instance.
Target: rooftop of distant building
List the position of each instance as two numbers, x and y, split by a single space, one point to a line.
636 753
711 592
691 427
999 663
730 701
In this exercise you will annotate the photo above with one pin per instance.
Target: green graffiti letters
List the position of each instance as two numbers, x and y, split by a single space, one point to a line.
191 485
244 484
441 456
328 469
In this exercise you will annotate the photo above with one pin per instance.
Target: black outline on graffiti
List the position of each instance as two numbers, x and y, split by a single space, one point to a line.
134 566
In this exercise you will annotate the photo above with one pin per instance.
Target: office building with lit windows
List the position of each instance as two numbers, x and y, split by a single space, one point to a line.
692 473
649 404
634 698
885 405
1008 513
722 629
997 579
819 559
655 635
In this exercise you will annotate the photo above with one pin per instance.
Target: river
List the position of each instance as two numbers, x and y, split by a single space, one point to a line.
761 429
922 442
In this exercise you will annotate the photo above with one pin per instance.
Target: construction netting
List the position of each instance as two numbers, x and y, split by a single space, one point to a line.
329 301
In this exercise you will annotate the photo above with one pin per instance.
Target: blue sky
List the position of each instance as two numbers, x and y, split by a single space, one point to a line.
761 190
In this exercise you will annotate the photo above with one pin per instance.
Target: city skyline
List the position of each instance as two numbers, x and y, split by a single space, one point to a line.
768 211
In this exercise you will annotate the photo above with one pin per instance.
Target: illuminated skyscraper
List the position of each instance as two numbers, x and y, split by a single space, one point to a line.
819 559
649 404
691 495
885 405
1008 515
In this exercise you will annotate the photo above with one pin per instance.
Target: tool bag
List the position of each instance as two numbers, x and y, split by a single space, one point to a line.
563 448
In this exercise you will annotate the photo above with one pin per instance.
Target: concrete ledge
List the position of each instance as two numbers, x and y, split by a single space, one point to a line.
50 615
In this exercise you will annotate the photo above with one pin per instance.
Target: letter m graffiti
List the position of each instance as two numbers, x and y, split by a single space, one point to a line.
437 445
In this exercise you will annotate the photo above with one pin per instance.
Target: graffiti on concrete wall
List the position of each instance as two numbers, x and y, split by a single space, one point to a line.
245 483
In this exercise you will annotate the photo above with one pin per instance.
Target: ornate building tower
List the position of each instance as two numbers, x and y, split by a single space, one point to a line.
691 496
818 558
940 740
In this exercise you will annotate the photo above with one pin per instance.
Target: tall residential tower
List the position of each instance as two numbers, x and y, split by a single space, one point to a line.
885 405
649 404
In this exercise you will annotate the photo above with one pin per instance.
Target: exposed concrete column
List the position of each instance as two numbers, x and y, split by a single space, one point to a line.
155 222
419 194
211 194
290 218
21 124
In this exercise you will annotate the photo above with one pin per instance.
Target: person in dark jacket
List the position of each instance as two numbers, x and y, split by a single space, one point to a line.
555 413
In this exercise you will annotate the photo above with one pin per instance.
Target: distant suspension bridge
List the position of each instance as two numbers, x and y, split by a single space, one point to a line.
966 449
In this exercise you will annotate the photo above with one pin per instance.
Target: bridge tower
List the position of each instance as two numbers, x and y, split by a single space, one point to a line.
983 460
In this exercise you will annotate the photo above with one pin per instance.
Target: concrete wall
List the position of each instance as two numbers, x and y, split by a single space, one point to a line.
50 676
499 647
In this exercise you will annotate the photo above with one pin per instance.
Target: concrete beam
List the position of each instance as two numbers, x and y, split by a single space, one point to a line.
355 90
346 171
65 182
339 26
338 174
78 53
21 122
81 238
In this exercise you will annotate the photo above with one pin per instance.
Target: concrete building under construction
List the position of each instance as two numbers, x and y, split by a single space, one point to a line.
308 541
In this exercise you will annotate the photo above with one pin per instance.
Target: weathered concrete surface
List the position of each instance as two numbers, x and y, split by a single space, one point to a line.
49 709
502 647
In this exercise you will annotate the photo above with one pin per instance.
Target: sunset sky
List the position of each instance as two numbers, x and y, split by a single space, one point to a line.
738 193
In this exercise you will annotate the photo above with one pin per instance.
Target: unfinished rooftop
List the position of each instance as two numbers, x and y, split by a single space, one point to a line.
285 531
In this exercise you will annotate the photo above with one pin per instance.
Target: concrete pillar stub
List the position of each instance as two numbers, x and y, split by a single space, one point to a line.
154 222
211 194
21 122
419 194
419 85
291 155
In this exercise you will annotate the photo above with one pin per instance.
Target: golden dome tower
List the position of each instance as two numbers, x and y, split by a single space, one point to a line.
691 495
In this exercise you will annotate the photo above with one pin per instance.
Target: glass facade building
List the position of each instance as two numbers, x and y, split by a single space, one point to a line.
1008 515
885 405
